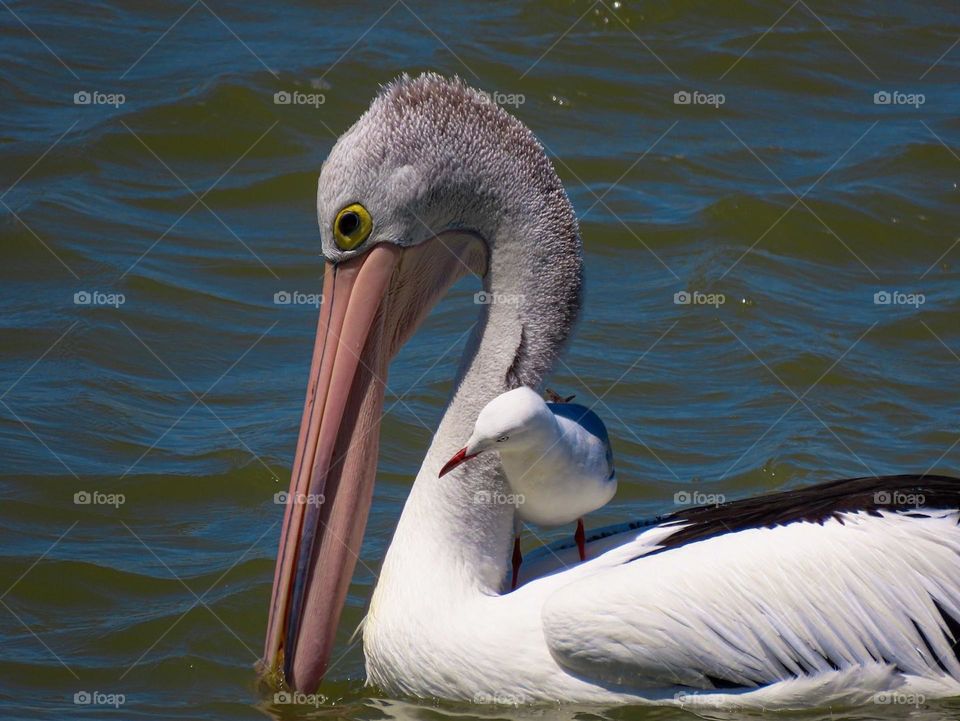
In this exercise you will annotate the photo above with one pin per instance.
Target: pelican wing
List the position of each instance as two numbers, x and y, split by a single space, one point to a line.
765 604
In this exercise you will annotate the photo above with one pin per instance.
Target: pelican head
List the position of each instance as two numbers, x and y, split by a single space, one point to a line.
432 183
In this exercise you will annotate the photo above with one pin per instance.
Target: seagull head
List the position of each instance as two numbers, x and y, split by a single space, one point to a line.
511 422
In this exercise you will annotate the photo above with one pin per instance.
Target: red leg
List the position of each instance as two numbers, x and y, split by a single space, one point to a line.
517 560
581 540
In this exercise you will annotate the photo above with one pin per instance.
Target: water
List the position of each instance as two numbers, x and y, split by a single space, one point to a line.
193 199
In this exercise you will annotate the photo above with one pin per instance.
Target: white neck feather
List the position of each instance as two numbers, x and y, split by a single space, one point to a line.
449 539
449 544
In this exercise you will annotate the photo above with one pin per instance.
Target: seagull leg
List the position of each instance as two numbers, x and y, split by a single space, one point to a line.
581 539
517 560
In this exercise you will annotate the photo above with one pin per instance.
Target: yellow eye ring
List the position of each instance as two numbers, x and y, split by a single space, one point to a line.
352 226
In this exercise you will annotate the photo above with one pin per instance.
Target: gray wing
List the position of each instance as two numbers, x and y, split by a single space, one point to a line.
589 421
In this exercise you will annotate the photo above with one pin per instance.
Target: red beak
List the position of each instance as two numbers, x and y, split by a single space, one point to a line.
458 458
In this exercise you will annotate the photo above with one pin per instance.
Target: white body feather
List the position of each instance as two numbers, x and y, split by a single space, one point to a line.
772 604
556 457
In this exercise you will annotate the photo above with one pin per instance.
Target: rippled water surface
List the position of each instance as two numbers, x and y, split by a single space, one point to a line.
795 200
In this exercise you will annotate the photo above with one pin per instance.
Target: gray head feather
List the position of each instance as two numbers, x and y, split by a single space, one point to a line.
432 154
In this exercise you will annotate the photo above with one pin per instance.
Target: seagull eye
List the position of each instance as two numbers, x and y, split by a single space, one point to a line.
352 226
501 439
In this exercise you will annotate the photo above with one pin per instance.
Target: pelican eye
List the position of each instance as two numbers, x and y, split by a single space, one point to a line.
501 439
352 226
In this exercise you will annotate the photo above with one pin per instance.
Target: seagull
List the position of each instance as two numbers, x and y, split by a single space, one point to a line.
556 457
833 592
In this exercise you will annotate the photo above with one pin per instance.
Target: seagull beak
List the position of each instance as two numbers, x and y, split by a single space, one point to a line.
458 458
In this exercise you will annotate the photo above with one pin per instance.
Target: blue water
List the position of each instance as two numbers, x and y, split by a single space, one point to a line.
103 199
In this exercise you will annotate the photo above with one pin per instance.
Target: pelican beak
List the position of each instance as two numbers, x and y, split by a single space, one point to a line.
372 304
458 458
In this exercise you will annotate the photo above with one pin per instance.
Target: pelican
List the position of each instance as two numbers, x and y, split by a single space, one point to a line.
556 457
818 595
